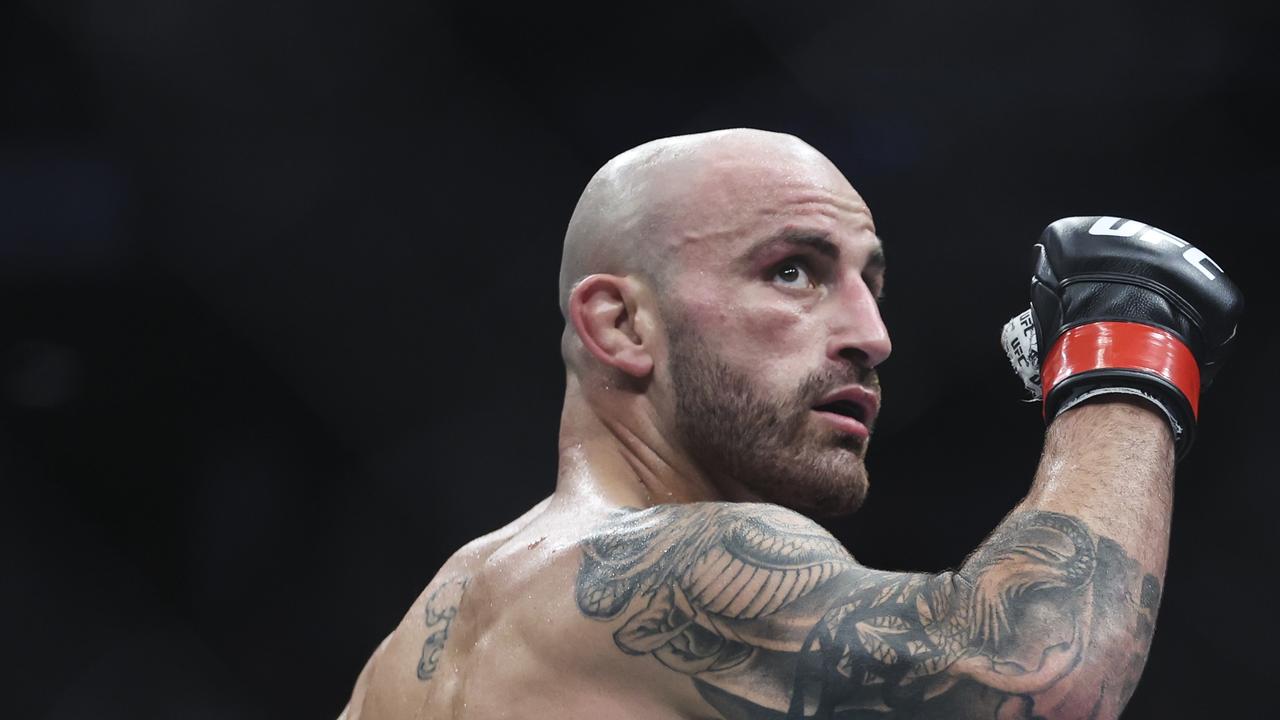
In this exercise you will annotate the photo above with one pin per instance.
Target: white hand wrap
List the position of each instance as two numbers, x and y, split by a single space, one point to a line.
1018 338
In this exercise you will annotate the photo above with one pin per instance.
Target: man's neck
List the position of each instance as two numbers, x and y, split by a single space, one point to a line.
618 454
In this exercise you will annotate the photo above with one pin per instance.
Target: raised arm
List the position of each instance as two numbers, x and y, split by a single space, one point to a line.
771 618
1051 617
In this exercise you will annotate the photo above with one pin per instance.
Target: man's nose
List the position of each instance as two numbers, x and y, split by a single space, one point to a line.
858 332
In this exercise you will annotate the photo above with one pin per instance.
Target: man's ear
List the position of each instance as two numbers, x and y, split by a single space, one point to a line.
603 310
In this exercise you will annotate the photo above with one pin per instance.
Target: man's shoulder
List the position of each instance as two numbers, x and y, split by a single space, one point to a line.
748 527
735 561
548 546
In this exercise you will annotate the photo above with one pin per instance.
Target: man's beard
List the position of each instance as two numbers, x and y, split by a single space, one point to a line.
738 435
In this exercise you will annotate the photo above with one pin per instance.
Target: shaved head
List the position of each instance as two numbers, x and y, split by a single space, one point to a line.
629 217
719 289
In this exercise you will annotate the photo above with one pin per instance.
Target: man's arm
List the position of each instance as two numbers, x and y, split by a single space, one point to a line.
1051 617
771 618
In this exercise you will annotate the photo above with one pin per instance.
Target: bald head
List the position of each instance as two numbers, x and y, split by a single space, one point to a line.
716 289
630 215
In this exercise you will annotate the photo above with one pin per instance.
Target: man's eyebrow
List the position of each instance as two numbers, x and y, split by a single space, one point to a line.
814 240
819 243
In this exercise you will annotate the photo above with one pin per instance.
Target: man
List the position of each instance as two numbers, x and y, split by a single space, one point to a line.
722 334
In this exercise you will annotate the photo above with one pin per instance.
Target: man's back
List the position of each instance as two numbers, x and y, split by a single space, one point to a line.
497 634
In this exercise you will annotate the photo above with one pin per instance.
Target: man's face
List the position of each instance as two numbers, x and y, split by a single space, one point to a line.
771 308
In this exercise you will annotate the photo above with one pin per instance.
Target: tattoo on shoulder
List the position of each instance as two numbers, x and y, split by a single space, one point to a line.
441 608
772 618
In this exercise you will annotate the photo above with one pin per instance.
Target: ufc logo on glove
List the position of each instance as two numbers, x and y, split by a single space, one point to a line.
1155 236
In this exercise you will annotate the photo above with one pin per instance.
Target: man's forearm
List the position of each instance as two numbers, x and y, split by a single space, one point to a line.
1064 593
1111 465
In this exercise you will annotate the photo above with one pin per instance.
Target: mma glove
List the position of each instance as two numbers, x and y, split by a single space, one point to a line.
1120 307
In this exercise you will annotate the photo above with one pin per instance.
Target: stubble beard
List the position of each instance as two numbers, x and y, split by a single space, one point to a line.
740 436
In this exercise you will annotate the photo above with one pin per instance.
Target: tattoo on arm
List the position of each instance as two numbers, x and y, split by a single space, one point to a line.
441 608
772 618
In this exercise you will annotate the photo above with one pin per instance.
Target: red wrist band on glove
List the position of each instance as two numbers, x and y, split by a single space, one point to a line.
1132 346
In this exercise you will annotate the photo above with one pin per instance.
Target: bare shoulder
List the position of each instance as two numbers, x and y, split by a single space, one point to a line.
736 560
724 593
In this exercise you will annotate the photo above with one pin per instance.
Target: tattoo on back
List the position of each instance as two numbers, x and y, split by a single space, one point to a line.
772 618
441 608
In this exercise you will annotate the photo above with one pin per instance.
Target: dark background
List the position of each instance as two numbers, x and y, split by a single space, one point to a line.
279 325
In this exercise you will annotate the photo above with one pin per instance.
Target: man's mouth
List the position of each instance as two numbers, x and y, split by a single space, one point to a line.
847 408
851 410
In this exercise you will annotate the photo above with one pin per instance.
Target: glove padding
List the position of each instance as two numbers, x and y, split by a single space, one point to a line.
1123 308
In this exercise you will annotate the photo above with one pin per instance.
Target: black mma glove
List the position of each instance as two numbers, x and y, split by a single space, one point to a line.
1123 307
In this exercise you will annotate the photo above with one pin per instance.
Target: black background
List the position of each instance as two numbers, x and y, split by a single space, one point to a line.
279 320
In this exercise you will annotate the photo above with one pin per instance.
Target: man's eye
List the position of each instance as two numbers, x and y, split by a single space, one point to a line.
793 274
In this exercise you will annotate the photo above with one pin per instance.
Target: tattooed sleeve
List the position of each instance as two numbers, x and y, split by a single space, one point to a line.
772 618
